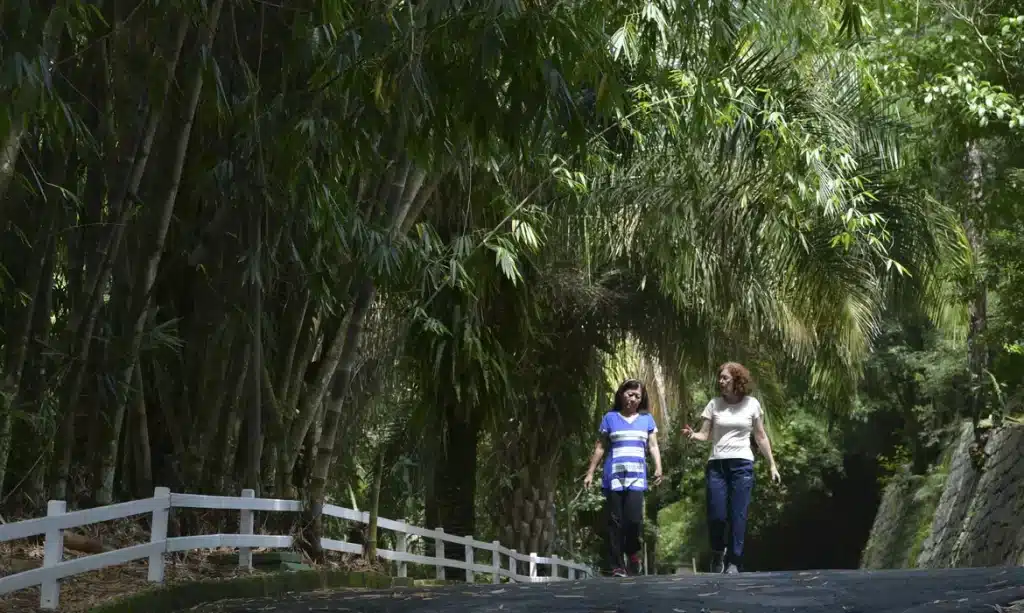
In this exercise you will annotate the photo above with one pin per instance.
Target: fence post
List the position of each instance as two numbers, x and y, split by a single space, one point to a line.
495 562
53 553
470 575
401 540
158 534
246 523
533 565
439 553
512 565
554 567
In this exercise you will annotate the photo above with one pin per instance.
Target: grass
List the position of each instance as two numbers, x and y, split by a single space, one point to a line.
175 598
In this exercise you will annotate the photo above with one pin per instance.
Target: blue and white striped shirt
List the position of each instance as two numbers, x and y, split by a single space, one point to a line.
625 463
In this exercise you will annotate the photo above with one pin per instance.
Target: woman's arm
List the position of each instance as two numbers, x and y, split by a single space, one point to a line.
761 438
652 446
700 435
595 457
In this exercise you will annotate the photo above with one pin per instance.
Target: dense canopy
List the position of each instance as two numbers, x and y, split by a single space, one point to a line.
399 254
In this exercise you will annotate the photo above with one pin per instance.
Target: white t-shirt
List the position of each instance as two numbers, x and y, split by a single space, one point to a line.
731 426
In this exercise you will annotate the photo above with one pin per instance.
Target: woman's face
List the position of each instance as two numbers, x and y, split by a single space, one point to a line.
725 381
631 399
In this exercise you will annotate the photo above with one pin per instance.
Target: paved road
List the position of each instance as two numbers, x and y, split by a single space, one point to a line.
963 590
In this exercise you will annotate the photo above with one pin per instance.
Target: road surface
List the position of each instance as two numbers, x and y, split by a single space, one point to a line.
929 591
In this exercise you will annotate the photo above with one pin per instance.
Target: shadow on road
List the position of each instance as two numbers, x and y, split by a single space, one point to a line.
927 591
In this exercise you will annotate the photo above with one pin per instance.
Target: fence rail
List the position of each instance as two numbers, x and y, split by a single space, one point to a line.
57 520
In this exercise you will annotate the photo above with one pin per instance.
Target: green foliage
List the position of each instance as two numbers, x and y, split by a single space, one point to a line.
807 453
682 534
927 496
910 399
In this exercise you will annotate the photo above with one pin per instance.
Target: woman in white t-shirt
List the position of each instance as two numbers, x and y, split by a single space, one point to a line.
728 421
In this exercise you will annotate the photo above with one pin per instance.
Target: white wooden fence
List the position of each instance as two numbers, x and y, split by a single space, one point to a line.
159 506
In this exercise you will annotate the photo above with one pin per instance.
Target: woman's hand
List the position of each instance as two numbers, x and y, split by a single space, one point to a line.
698 435
776 477
658 476
588 480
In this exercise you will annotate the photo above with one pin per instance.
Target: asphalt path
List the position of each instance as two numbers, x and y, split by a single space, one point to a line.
900 591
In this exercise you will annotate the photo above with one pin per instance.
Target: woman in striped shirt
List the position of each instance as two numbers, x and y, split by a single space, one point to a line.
630 432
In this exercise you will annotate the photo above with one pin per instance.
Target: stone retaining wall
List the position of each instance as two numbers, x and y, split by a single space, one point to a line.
979 518
957 494
993 531
892 534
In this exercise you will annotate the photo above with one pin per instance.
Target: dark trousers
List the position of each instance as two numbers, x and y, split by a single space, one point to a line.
625 517
729 484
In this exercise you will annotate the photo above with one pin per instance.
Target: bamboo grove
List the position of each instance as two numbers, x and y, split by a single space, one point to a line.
290 246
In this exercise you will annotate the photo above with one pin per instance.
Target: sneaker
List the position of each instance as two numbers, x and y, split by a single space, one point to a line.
635 567
717 562
732 570
619 572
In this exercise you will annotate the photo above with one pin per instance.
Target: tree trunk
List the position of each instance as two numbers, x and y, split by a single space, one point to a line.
527 514
455 480
171 421
207 425
662 396
288 364
277 412
977 349
143 286
401 201
290 404
232 430
254 417
143 452
332 419
378 478
314 397
274 433
81 329
33 383
17 350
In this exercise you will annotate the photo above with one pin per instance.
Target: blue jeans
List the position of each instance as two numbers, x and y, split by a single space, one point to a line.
729 484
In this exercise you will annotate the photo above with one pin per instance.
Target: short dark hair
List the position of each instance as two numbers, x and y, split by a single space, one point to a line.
632 384
742 383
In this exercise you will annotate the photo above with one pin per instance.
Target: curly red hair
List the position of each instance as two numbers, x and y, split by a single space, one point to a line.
742 383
